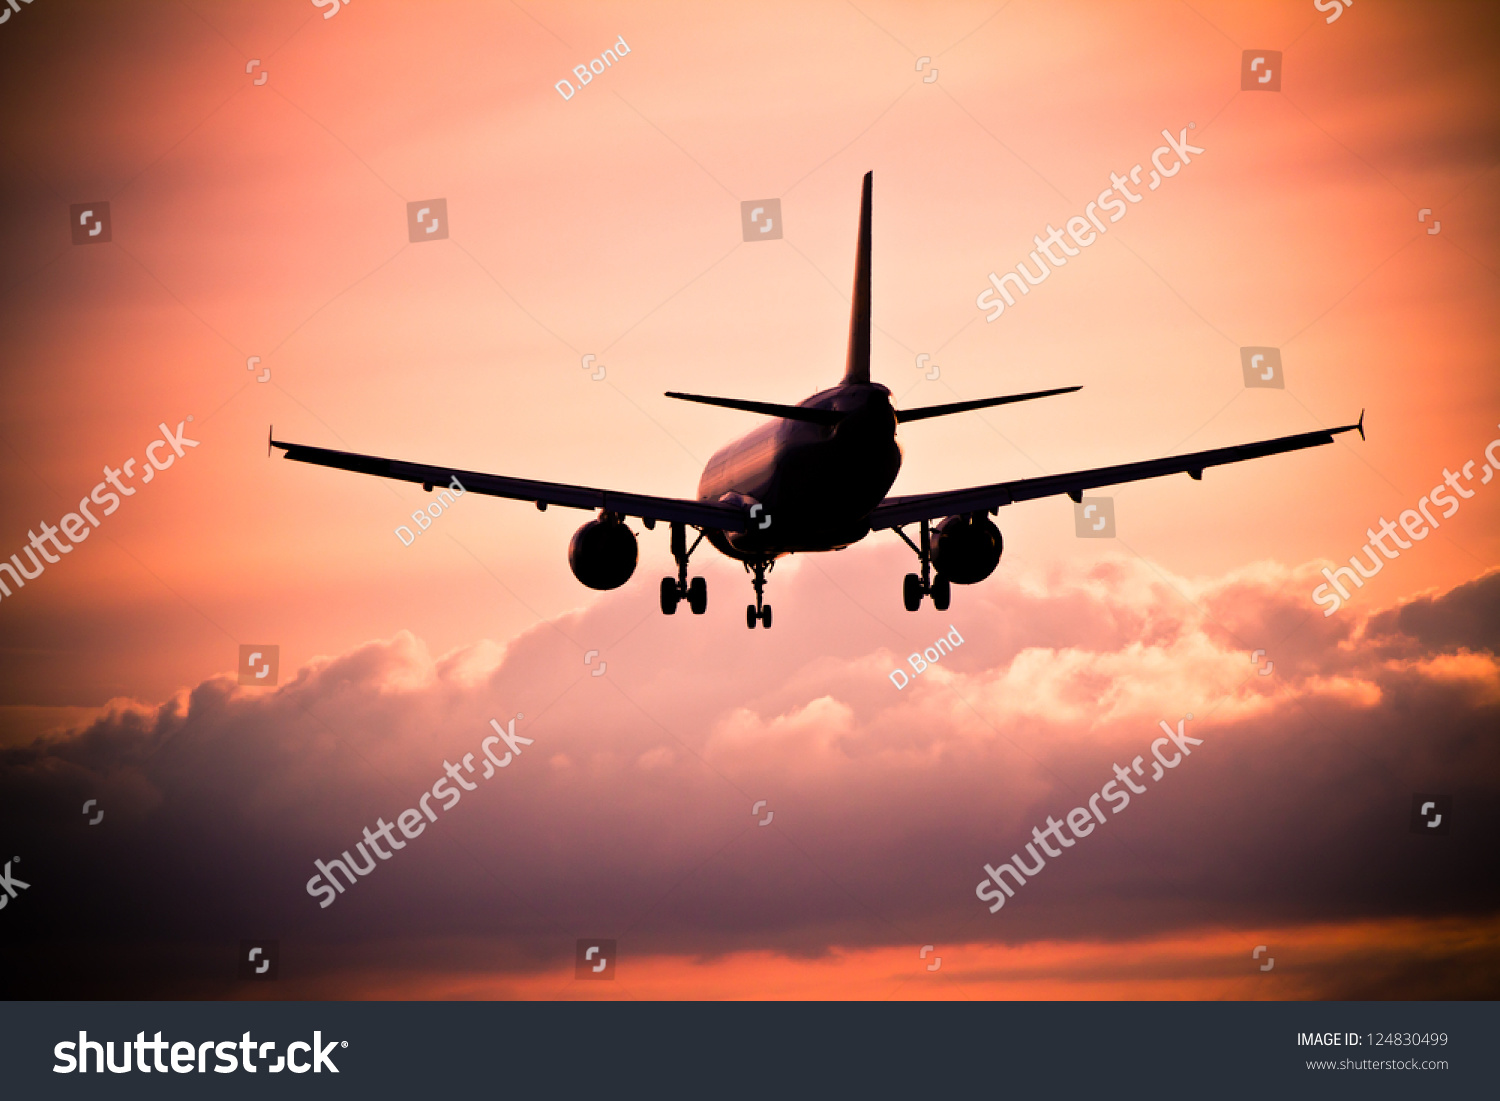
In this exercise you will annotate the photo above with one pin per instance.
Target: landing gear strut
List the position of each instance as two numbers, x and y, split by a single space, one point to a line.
674 589
915 587
757 611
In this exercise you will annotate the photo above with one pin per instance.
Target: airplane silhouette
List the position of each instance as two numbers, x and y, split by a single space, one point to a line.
812 479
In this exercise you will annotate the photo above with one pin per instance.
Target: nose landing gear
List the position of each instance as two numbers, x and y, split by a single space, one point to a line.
675 589
915 586
758 611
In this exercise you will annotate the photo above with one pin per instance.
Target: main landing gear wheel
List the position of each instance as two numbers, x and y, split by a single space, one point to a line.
942 592
677 589
751 616
916 586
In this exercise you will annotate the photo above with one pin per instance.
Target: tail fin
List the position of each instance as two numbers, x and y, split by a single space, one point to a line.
857 366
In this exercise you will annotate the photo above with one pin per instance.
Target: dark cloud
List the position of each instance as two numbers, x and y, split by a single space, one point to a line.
1466 617
629 815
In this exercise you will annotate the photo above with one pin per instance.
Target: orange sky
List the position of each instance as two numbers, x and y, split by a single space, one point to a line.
270 221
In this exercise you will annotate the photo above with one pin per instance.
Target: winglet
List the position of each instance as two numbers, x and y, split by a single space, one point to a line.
1361 424
270 431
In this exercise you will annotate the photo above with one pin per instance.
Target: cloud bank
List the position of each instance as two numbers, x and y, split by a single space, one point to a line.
629 813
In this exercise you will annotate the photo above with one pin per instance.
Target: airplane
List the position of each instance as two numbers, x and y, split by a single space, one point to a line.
813 478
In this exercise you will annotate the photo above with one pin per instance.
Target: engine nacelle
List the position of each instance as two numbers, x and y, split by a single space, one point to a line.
966 550
602 554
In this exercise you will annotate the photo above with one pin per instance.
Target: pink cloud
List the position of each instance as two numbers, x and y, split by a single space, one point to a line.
629 814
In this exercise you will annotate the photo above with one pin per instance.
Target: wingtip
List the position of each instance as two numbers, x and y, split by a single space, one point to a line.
1357 426
270 432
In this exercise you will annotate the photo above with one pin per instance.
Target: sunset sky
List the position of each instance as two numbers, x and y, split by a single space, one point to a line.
270 220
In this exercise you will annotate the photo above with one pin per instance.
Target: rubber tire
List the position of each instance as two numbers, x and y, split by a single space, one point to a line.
765 617
750 616
697 596
911 592
942 593
669 597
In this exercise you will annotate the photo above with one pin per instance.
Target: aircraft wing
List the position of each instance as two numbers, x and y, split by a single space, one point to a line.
702 514
895 511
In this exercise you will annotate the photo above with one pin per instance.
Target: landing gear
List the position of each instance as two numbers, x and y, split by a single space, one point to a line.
916 586
942 592
911 592
675 589
758 611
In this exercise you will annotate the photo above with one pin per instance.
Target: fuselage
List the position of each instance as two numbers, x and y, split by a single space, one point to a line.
816 484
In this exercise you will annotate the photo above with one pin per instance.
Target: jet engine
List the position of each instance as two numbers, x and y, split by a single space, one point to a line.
966 549
602 553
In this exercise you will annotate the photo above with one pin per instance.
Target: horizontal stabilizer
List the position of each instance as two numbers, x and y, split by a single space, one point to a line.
770 409
904 415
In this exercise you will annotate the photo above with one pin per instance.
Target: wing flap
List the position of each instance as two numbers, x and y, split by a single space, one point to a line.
703 514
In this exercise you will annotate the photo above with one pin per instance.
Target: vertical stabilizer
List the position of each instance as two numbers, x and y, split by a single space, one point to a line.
857 367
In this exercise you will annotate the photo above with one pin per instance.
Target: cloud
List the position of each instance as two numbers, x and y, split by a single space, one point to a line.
629 814
1466 617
